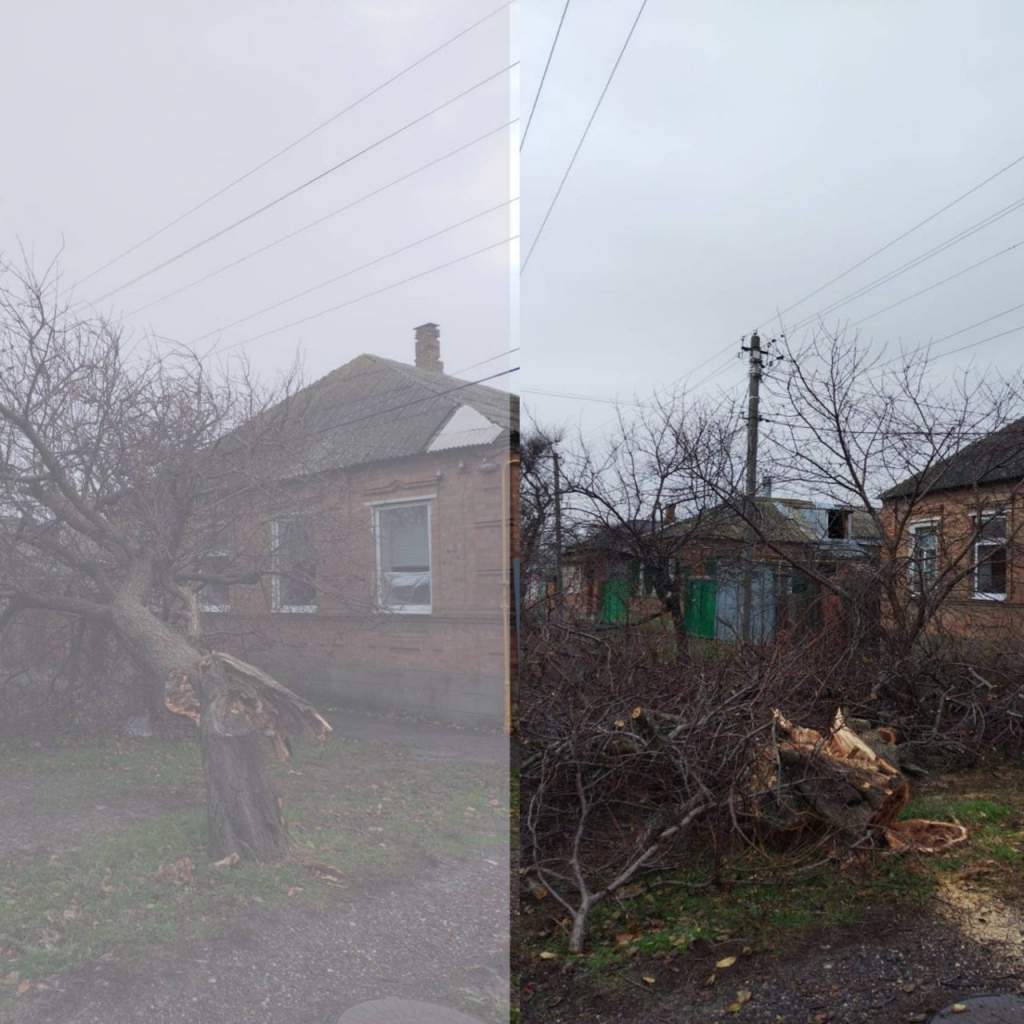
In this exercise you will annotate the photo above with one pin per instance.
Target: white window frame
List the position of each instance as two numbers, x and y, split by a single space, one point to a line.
275 580
375 509
221 551
984 516
912 575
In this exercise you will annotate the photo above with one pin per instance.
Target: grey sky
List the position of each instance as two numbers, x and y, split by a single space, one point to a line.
122 115
747 153
744 154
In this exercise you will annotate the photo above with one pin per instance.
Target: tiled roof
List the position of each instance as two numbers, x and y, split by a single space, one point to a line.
373 409
995 458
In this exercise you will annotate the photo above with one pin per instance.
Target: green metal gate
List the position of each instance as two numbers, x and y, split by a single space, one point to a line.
701 607
614 600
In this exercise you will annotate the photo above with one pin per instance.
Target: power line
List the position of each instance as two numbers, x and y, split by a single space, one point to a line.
291 145
306 184
899 238
353 270
602 399
579 145
955 334
937 284
544 74
360 298
914 262
320 220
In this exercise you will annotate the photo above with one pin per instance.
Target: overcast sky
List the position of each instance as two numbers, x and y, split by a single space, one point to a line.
745 154
121 115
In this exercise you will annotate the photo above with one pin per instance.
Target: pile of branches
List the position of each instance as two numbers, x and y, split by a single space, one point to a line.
954 704
630 760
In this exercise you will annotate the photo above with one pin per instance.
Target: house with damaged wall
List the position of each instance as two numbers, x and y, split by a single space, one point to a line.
607 582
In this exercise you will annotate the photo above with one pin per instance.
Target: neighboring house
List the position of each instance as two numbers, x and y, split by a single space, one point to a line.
388 545
605 582
954 527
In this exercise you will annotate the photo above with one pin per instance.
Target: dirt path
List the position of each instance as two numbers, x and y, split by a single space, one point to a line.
439 937
899 964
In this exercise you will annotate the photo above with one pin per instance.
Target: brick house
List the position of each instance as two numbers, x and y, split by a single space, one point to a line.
606 581
386 544
953 529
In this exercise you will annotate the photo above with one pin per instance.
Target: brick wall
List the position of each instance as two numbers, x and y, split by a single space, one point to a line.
964 614
450 664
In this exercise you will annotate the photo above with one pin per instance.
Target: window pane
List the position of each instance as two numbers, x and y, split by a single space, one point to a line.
297 564
993 528
404 555
991 568
215 595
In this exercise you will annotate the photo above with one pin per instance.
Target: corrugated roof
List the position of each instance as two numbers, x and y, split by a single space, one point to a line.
995 458
373 409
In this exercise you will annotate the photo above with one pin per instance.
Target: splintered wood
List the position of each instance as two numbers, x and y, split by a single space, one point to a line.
841 780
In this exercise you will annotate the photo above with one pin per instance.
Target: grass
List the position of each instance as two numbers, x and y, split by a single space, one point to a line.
369 812
665 916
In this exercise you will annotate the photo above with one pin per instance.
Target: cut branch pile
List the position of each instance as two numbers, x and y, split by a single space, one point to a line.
806 778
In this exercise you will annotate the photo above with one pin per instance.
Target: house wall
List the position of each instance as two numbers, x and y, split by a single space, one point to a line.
449 664
963 614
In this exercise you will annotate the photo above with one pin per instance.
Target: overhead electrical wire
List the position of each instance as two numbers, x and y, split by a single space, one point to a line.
304 185
320 220
586 130
295 142
544 74
353 270
899 238
359 298
912 263
937 284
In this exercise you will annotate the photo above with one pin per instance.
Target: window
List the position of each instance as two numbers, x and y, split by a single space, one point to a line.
838 524
990 558
293 561
924 552
215 596
403 556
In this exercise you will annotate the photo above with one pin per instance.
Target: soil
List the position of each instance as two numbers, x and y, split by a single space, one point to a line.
434 936
901 963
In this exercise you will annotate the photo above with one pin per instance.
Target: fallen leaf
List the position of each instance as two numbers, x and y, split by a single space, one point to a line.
725 962
959 1008
24 987
743 996
625 938
227 862
547 955
636 712
293 889
649 979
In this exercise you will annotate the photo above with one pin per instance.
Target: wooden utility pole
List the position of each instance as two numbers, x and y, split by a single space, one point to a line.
750 491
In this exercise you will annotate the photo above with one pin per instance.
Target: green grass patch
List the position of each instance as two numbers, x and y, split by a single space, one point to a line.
369 811
667 914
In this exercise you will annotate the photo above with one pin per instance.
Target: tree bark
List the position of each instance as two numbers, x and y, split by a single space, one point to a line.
243 812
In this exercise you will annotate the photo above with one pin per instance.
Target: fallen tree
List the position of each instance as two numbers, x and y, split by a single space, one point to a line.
112 466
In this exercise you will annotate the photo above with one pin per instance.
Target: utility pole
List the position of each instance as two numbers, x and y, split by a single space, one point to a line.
558 536
750 491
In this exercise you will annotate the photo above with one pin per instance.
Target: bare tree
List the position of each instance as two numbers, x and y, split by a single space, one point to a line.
851 427
537 504
110 468
647 492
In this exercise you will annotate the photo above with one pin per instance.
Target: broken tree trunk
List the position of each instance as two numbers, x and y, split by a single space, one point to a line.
234 704
842 781
836 779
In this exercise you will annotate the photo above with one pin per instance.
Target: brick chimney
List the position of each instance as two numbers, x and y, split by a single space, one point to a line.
428 348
